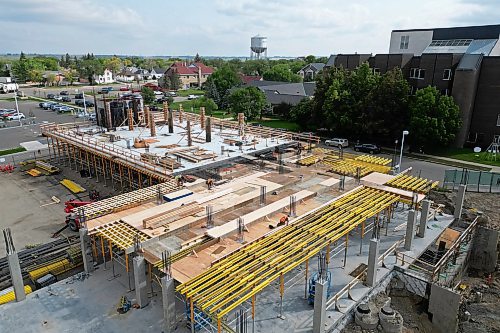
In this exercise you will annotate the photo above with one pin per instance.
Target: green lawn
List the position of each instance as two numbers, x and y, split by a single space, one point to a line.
187 92
279 123
12 151
467 154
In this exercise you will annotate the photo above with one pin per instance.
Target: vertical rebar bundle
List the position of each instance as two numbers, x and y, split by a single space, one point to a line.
293 206
210 220
165 112
241 322
322 267
181 113
188 130
241 229
159 197
9 243
81 217
167 263
263 195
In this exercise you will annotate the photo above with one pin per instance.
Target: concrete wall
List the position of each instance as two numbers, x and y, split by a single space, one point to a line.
444 304
419 40
484 253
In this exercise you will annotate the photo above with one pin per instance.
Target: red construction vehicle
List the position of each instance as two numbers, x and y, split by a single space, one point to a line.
73 203
72 220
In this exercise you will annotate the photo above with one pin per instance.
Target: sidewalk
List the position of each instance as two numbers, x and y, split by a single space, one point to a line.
453 162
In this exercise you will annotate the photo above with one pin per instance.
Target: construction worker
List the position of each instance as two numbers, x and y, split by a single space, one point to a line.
179 180
283 220
210 183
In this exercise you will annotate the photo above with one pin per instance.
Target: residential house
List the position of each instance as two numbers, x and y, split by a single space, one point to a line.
127 74
104 78
142 74
58 76
191 75
309 71
246 79
157 73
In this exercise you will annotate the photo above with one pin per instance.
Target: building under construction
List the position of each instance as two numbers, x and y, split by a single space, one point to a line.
247 228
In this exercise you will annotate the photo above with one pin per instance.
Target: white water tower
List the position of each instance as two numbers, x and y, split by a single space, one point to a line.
258 46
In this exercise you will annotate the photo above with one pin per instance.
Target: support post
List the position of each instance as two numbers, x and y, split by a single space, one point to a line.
208 130
320 298
141 284
165 112
410 229
130 120
14 267
168 295
170 121
86 250
152 125
188 130
371 273
202 116
459 201
424 213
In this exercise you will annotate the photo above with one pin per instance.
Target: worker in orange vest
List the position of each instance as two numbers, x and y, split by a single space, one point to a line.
283 220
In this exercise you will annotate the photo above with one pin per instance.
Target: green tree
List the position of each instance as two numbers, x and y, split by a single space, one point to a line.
281 72
249 100
175 81
50 79
35 75
197 58
165 82
148 95
220 82
70 75
302 113
255 67
310 59
207 103
114 64
434 119
90 66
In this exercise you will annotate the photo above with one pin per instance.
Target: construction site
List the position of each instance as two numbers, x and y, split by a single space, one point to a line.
219 226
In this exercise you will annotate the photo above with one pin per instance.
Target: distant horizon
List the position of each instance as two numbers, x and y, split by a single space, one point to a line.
159 56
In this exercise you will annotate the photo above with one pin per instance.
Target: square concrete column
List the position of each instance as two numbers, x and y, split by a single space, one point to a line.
141 283
208 130
168 296
88 265
320 298
170 121
410 229
459 201
424 213
371 273
16 276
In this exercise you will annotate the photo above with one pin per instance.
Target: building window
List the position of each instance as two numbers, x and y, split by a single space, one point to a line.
447 74
376 70
413 73
421 74
405 40
498 120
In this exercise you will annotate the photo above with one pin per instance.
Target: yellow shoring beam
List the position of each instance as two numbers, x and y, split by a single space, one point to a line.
277 253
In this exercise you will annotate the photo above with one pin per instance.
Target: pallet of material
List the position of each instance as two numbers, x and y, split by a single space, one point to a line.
168 146
72 186
186 157
47 167
168 162
164 218
34 172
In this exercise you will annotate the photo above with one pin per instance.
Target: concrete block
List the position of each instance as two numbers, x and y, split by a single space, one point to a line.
484 253
459 201
371 274
88 265
320 298
424 213
444 304
410 229
390 320
16 276
365 318
168 297
141 283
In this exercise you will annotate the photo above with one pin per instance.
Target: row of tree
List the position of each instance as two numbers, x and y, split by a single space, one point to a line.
361 104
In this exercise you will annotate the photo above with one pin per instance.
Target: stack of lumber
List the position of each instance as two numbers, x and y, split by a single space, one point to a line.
169 216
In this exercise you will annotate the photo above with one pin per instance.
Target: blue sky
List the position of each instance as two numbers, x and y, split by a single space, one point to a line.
224 27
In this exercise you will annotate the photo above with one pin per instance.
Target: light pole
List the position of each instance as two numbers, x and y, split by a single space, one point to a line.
401 153
17 109
394 156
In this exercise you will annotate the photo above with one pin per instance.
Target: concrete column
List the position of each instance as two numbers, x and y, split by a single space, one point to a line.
320 298
152 124
202 116
424 213
168 296
410 229
88 265
371 273
165 112
208 130
130 120
459 201
188 130
170 121
141 283
16 276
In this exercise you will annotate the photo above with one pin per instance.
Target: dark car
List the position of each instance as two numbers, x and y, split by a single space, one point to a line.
63 93
88 103
51 96
79 96
368 148
66 99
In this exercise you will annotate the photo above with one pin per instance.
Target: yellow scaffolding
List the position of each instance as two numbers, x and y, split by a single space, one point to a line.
373 159
244 273
412 183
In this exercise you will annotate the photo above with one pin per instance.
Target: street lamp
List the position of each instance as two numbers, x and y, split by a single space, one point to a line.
401 153
394 156
17 109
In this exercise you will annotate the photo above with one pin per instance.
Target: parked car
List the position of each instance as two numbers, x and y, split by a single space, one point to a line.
88 104
47 105
6 112
57 107
368 148
158 92
64 108
15 116
82 115
337 142
64 93
20 93
66 99
42 104
79 96
190 97
51 96
57 98
106 89
171 93
124 89
92 117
